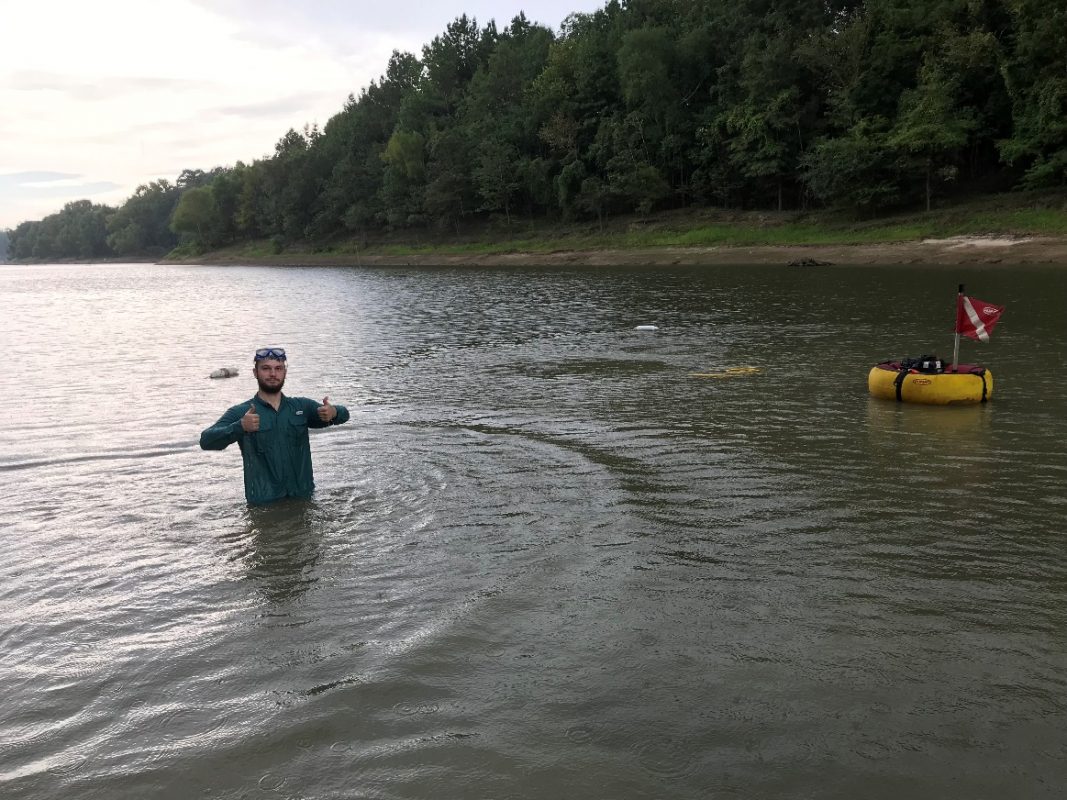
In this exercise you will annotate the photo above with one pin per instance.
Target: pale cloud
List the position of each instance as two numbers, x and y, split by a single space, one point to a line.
276 108
52 189
25 178
77 87
116 93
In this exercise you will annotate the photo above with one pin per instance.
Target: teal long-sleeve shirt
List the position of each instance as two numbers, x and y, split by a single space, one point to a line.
277 457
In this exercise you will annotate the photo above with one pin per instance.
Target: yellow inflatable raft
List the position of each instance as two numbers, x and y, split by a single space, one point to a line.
966 385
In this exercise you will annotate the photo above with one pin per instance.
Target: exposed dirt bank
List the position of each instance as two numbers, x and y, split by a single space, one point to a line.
948 252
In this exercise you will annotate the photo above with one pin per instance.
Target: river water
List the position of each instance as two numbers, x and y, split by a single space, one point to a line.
551 556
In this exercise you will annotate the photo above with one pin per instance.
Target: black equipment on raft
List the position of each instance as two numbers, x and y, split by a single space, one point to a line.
928 365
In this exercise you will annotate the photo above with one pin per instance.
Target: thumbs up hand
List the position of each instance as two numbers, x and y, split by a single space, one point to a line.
250 421
326 411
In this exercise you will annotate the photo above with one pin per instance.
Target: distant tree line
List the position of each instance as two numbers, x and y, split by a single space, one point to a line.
3 246
642 105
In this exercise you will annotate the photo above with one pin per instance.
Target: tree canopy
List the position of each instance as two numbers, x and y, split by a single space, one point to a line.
862 105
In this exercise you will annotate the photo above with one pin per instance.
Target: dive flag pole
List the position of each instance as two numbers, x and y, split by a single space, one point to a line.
956 345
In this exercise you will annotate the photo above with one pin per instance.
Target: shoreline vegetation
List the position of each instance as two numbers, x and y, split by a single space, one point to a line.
1013 229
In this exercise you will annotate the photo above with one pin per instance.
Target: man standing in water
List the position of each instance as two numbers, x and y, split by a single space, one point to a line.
272 431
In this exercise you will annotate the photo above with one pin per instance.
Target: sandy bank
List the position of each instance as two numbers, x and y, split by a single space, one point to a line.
959 250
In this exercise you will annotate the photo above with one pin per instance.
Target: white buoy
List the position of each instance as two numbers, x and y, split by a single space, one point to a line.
647 328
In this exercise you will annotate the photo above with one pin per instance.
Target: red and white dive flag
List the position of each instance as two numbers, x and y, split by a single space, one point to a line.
975 318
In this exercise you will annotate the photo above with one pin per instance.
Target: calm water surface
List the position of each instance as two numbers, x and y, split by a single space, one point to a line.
544 560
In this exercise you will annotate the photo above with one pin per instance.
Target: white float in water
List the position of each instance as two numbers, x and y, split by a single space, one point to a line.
647 328
224 372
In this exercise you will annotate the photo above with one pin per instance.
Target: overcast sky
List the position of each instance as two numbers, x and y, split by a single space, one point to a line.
99 97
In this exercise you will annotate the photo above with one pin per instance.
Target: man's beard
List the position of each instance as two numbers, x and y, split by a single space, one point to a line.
269 389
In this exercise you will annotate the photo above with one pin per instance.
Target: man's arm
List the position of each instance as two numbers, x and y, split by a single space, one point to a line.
323 414
224 432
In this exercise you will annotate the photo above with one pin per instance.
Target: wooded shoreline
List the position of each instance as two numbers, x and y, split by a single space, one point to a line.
825 111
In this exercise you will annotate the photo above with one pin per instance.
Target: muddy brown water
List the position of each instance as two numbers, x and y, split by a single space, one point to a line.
551 556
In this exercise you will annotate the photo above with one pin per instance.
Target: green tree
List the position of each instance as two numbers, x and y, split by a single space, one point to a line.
499 116
23 239
404 178
622 155
568 185
857 171
495 175
451 60
593 197
78 231
930 127
293 180
141 226
1037 84
449 194
226 192
576 90
353 141
644 67
197 216
192 178
255 214
642 187
764 127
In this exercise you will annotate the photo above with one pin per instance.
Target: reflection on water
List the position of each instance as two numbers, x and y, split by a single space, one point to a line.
550 556
957 436
946 426
285 540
